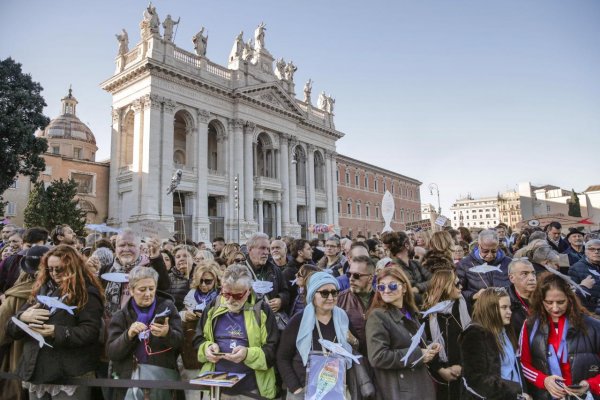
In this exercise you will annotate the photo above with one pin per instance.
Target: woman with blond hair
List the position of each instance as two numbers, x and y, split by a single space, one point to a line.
71 330
229 250
444 327
391 325
489 350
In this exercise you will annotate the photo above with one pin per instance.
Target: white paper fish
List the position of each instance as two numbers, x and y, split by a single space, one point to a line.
568 280
387 211
30 332
484 268
55 303
262 287
594 272
200 306
414 343
338 349
294 282
117 277
443 306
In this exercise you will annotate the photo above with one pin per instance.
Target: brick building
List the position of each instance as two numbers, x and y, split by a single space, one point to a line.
360 189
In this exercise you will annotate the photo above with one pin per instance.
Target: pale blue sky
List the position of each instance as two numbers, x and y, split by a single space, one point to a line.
473 95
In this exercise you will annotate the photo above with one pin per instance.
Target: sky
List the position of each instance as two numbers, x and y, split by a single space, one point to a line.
473 95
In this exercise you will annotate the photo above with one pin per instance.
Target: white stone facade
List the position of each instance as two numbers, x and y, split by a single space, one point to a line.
480 213
173 109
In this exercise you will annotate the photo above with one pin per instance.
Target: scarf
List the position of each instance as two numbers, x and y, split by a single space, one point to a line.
434 327
143 315
508 362
555 358
309 318
114 290
205 298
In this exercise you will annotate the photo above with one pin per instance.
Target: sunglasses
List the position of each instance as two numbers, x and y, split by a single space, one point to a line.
326 293
355 275
55 270
234 296
391 286
240 260
206 281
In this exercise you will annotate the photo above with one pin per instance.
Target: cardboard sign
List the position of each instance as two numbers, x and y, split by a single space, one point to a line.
441 220
152 229
422 225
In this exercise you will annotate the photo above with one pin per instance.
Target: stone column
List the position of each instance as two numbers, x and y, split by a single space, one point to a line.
330 200
134 209
238 166
114 208
293 188
261 227
150 145
248 176
332 191
201 222
285 180
310 183
277 206
166 163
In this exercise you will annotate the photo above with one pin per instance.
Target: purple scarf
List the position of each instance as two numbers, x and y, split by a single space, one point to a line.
144 317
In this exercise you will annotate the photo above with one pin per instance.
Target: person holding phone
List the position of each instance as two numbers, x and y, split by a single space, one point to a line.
560 343
138 337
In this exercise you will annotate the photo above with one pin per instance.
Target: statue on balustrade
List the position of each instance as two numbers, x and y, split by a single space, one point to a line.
200 42
168 25
290 68
123 39
248 51
150 24
307 91
280 69
325 102
238 47
259 36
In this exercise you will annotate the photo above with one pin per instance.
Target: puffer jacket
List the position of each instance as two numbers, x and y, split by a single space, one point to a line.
179 287
581 270
472 282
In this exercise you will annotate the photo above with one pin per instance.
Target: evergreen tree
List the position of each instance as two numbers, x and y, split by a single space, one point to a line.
55 205
574 206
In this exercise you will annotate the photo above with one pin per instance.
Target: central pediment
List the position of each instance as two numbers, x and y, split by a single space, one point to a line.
271 95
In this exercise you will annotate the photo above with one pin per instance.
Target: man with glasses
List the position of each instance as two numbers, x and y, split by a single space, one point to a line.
333 260
485 252
356 249
63 234
586 268
522 285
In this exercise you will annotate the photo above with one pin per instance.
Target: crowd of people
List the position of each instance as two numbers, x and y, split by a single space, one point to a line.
453 314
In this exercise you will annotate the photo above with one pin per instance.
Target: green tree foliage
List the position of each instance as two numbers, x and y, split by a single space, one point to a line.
21 108
574 206
55 205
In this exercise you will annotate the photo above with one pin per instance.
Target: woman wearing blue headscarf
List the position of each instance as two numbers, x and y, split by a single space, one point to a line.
321 318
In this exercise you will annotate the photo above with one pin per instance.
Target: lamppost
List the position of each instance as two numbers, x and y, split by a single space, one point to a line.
302 158
432 187
237 203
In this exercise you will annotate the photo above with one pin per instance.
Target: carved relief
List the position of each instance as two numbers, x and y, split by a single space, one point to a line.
170 106
203 116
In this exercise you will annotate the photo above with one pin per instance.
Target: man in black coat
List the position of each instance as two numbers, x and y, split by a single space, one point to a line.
553 235
575 251
522 285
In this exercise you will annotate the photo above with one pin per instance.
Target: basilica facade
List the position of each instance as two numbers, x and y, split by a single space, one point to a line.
251 156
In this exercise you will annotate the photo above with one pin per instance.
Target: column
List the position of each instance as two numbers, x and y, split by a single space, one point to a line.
201 222
310 183
238 167
136 167
293 189
285 180
166 162
150 145
331 201
277 206
333 190
248 176
261 227
116 146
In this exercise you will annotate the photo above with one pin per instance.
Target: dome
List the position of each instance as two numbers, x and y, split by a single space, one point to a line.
67 125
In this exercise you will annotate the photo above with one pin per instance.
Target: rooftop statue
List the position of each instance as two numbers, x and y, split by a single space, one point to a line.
200 42
150 24
280 68
307 91
168 25
123 39
326 103
259 36
238 47
248 51
290 68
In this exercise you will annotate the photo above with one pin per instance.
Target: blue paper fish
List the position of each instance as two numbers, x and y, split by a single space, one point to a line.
568 280
484 268
413 344
294 282
338 349
327 378
439 307
55 303
117 277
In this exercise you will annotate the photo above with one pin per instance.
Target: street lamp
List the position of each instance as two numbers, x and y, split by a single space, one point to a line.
302 158
432 187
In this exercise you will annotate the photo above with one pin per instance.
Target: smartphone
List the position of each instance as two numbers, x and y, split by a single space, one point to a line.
220 354
576 386
160 320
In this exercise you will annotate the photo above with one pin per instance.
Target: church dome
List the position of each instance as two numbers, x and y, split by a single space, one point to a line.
67 125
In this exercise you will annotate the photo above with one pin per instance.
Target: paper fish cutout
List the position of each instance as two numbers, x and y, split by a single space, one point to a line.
200 306
338 349
593 272
294 282
30 332
568 280
262 287
327 378
484 269
117 277
443 306
55 303
414 343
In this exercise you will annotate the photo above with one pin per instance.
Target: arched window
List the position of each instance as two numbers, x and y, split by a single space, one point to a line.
265 156
319 171
212 147
349 207
300 158
181 145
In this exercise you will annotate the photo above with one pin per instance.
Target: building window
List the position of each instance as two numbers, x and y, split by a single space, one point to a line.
347 178
366 181
339 207
358 210
85 183
11 209
337 175
392 187
368 211
356 180
384 186
349 208
548 208
55 149
376 186
77 153
376 212
402 215
14 184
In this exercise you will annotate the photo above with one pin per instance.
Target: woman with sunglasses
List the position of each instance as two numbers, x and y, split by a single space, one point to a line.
391 324
71 329
560 343
236 257
322 318
138 337
489 350
444 327
237 334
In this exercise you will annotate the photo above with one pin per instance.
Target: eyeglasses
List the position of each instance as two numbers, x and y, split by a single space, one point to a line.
593 249
240 260
234 296
488 251
326 293
331 246
391 286
355 275
457 285
55 270
206 281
